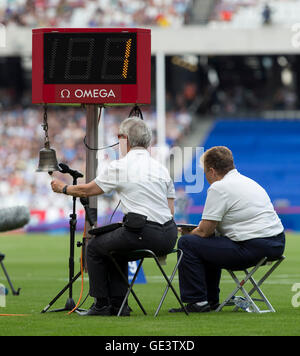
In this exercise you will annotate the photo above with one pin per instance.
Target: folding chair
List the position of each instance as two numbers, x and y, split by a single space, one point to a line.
141 255
256 287
14 292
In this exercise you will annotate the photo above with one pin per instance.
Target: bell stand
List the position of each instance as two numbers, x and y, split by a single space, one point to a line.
91 171
70 304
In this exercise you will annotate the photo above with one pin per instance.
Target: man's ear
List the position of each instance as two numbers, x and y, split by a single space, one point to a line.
210 170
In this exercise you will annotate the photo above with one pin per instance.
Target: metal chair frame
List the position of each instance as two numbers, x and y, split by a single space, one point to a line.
256 286
141 255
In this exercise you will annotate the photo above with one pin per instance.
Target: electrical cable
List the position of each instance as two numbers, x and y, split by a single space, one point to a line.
84 300
135 111
98 149
101 148
114 211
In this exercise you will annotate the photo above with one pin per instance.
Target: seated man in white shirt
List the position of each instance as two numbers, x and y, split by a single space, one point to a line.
146 189
239 226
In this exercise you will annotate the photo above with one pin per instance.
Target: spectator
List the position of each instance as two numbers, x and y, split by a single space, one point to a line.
94 13
182 202
266 14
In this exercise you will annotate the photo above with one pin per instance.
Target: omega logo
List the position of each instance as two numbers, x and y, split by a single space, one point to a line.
65 93
88 93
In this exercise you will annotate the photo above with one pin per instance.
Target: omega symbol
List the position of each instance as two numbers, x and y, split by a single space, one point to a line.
67 93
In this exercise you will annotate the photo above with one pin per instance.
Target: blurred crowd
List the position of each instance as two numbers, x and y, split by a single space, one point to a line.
93 13
249 13
244 101
134 13
225 10
22 137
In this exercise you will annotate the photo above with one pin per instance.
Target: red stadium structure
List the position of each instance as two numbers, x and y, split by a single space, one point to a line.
95 66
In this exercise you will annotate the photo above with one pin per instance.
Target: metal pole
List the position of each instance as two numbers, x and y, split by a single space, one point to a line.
161 98
91 155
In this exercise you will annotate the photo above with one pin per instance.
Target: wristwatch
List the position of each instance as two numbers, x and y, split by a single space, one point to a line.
65 189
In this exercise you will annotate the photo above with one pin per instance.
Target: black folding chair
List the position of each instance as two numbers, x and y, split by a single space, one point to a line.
14 292
240 286
141 255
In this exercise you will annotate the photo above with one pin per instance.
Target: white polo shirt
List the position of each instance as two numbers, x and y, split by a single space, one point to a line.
142 183
242 208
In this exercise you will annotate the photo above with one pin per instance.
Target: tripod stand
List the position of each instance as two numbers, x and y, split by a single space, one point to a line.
70 304
14 292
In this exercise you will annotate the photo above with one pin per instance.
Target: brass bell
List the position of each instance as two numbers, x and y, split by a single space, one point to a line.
47 160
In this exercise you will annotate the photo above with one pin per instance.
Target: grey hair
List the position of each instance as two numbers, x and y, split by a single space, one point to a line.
137 132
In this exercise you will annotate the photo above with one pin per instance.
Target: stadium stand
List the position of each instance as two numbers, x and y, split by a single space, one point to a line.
265 150
162 13
22 137
254 13
94 13
226 86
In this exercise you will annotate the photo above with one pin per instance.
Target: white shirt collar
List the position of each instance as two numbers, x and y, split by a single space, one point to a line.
233 171
138 150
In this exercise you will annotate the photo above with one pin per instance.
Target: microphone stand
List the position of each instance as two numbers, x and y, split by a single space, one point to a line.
70 304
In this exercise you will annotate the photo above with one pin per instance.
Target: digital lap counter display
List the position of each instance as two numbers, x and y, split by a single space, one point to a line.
91 66
86 58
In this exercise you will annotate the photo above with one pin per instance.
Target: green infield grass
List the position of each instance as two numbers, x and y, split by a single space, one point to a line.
38 264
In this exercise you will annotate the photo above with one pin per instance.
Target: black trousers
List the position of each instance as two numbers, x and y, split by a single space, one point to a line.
203 259
105 280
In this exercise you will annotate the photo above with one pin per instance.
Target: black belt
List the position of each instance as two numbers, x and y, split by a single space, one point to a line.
148 222
158 224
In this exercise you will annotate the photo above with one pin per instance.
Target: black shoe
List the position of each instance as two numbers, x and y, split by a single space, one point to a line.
125 312
103 311
192 308
214 306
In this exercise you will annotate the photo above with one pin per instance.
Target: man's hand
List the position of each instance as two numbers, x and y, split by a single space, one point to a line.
206 228
57 186
185 230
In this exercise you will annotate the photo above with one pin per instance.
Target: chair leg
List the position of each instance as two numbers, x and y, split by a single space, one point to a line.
130 286
263 297
270 271
256 286
168 287
14 292
240 284
169 284
249 300
243 290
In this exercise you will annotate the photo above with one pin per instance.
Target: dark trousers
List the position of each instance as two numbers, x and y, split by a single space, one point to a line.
203 259
105 281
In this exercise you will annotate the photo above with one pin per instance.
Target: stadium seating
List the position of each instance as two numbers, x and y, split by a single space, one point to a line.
267 151
248 13
94 13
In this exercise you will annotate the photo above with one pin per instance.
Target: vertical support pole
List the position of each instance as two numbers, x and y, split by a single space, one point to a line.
161 98
91 155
